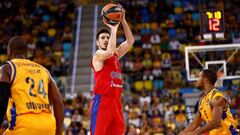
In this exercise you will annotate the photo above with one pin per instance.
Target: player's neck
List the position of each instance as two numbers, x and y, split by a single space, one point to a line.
18 56
207 89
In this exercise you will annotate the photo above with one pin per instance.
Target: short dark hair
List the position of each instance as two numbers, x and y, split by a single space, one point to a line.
17 44
102 31
210 75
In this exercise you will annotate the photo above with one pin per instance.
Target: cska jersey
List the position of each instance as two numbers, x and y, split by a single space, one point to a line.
108 80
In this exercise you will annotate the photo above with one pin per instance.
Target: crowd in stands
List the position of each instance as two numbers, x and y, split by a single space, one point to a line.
46 28
153 70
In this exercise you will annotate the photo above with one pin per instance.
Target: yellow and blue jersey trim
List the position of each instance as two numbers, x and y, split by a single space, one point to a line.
13 117
13 71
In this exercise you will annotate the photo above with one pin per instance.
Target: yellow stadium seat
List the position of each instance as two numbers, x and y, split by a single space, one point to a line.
138 26
148 85
163 25
178 10
154 26
138 85
146 25
236 82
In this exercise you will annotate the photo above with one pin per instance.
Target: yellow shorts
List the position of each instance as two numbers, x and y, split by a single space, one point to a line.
33 124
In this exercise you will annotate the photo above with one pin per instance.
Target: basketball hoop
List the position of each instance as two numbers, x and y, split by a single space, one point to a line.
219 82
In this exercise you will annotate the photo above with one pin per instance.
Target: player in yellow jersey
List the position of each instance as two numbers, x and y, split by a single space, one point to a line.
213 109
29 91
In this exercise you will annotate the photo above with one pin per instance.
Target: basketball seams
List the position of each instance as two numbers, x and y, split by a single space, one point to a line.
113 10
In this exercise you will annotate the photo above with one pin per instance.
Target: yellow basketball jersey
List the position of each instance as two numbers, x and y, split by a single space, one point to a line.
227 126
29 96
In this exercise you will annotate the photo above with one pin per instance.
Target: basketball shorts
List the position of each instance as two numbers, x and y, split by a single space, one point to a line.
106 116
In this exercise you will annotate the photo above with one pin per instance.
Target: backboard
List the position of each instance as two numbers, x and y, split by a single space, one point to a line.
220 58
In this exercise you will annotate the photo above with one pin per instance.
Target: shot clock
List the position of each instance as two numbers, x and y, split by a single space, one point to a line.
212 24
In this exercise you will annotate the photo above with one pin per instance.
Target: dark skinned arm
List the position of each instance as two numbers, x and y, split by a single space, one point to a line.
5 85
58 107
218 105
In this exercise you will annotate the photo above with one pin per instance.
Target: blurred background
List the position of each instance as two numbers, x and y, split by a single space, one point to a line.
158 98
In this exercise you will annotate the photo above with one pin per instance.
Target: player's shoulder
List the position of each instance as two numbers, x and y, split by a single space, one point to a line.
215 92
5 71
97 55
5 67
98 52
37 65
26 63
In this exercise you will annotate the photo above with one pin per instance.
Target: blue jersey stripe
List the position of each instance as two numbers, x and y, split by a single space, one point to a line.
94 111
13 117
233 130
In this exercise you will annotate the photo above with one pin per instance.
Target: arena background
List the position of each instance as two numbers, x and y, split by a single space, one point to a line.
158 98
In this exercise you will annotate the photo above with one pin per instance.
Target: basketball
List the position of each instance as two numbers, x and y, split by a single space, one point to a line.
111 13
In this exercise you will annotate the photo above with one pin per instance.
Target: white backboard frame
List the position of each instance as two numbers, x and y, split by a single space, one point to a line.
223 62
206 48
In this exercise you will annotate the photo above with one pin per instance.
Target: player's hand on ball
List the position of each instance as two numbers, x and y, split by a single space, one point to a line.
111 26
123 13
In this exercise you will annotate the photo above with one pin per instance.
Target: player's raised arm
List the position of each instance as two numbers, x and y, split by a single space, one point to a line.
58 107
106 41
124 47
5 86
105 53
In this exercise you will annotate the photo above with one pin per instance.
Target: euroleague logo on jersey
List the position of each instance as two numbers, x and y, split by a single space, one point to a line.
116 75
